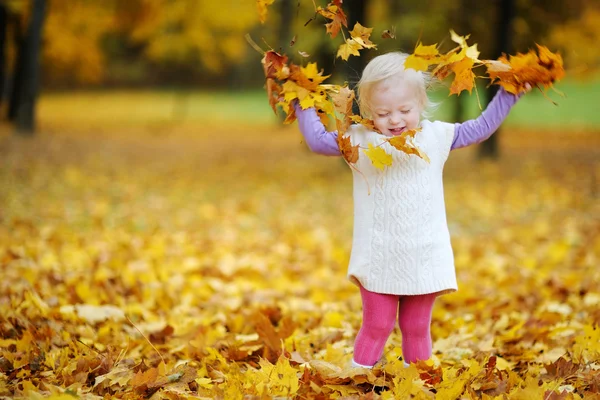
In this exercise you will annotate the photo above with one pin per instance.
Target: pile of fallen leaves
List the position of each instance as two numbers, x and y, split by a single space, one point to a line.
146 268
288 83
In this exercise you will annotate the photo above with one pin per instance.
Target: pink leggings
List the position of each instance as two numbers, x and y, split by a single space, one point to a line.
379 318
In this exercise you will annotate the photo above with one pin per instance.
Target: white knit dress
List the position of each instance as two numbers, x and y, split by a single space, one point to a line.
401 244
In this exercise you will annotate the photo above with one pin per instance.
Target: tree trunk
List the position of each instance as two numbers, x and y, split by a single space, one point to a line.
286 13
25 117
17 77
3 25
506 11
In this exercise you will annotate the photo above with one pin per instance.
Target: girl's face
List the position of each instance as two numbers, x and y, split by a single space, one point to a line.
394 106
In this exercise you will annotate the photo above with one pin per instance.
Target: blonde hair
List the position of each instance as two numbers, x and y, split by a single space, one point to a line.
391 65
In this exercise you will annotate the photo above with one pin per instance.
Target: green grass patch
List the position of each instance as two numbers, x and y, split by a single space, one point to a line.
140 108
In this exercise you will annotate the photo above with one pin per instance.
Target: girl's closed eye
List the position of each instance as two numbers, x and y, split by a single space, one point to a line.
383 114
405 111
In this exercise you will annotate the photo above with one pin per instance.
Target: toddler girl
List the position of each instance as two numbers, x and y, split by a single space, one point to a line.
401 256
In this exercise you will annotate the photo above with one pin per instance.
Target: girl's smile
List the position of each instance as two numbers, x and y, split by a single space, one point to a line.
394 107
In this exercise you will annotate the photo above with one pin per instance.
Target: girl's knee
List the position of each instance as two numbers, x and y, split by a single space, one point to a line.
378 327
416 327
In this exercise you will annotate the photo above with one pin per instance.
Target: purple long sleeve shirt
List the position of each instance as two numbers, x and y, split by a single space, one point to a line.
320 141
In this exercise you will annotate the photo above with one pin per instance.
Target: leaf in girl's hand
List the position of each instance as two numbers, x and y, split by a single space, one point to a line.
423 57
349 152
464 78
378 157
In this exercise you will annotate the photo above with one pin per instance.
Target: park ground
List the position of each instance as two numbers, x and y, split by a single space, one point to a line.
185 245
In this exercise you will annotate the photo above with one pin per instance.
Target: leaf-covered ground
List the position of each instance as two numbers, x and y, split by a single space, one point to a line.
212 265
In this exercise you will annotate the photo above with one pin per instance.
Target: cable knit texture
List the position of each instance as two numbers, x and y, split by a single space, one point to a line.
401 244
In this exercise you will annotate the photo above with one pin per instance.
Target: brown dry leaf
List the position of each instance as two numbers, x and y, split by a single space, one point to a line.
349 152
389 33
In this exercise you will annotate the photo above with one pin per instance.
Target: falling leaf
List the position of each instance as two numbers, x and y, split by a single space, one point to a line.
389 33
334 12
378 157
349 48
403 142
361 35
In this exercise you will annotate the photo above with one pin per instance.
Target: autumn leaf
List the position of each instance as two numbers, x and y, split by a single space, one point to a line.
422 58
367 123
334 12
469 51
389 33
514 73
403 142
464 78
378 157
349 152
358 40
361 35
349 48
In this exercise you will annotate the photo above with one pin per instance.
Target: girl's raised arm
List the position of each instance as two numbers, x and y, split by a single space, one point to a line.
316 136
479 129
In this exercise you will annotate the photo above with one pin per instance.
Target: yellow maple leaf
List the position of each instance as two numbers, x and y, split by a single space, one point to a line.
422 58
378 157
470 51
349 48
464 78
361 35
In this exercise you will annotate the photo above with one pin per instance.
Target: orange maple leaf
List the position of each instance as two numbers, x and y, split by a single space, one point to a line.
517 71
464 78
403 142
349 152
334 12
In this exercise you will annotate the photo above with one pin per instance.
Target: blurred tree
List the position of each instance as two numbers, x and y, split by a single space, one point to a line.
574 37
506 12
73 40
188 35
3 58
27 69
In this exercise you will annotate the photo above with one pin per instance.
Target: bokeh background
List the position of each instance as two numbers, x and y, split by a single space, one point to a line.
162 62
143 174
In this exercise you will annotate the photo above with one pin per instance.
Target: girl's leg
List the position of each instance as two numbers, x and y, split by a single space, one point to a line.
414 318
379 318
